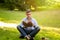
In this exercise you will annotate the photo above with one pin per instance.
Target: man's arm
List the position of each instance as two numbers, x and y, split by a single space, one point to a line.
35 23
21 24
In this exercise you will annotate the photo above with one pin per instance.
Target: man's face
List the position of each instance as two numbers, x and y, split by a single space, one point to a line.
28 14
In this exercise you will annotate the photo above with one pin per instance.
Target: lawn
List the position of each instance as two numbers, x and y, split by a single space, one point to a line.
13 34
49 18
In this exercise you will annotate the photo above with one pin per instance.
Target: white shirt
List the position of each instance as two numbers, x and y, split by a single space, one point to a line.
32 20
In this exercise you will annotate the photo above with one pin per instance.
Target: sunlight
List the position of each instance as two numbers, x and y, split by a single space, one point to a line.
3 24
57 0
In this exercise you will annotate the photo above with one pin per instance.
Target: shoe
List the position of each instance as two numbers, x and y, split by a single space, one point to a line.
21 37
32 39
27 38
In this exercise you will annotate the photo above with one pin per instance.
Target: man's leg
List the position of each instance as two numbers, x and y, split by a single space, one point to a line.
34 32
21 30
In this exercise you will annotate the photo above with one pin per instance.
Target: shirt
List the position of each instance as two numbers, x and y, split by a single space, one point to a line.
32 20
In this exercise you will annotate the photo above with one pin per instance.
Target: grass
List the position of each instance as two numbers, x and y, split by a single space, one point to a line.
13 34
49 18
10 34
11 16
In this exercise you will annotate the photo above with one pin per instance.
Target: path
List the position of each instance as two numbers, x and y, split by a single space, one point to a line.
13 25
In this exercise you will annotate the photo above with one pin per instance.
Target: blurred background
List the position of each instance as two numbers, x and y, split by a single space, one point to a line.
46 12
30 4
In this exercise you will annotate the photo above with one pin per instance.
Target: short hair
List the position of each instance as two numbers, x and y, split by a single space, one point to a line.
28 10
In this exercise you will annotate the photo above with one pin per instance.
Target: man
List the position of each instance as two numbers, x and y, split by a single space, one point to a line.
28 27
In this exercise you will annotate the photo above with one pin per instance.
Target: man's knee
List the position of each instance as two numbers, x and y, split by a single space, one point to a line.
38 28
18 27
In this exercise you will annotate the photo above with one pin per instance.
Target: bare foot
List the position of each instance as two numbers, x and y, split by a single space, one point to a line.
27 37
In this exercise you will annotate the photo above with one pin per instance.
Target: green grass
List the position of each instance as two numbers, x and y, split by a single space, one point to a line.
13 34
10 34
49 18
11 16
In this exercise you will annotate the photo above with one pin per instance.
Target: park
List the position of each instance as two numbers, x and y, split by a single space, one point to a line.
47 15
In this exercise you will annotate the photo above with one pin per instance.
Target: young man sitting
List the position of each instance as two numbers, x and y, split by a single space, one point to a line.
28 27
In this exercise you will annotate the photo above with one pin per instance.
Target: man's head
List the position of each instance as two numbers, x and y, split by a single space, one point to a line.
28 14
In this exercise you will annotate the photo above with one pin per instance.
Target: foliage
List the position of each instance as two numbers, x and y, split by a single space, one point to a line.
29 4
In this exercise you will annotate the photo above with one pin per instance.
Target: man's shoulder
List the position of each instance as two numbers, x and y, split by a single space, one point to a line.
33 19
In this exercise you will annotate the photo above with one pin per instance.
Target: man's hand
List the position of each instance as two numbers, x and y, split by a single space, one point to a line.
27 37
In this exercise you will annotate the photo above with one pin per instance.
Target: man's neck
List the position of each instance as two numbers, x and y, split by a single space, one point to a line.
29 18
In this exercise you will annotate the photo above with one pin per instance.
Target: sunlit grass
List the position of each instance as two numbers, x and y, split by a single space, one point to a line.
57 0
13 34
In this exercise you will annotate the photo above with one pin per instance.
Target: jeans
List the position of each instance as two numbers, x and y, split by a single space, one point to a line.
25 32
